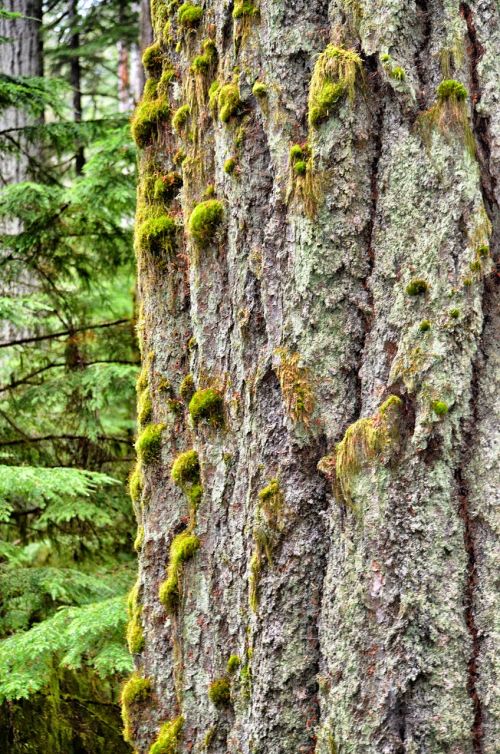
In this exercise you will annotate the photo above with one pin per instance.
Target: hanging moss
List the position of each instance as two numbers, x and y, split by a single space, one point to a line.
135 483
207 405
296 153
244 8
417 287
180 118
144 407
187 388
150 91
189 15
449 114
156 235
204 221
483 251
183 547
213 94
295 386
169 737
219 692
335 75
201 64
152 60
148 444
228 101
148 116
165 81
167 186
136 691
449 89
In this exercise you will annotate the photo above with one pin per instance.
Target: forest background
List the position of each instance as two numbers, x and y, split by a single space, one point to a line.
70 74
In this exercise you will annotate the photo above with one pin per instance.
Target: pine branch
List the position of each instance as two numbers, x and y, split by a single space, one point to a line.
62 333
48 438
57 364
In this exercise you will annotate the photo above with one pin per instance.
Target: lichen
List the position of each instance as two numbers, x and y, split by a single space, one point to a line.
207 405
219 692
183 547
148 444
204 221
334 77
168 739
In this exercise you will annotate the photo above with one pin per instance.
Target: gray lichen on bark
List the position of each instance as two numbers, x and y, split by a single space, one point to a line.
375 624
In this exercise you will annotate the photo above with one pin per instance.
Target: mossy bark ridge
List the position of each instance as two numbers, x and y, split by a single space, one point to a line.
332 298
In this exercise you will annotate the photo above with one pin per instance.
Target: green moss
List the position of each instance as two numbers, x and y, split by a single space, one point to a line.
449 89
228 101
150 90
183 547
219 692
417 287
135 691
187 388
204 221
179 157
230 165
440 408
397 73
244 8
467 282
255 569
270 491
454 313
139 539
296 152
300 167
168 740
192 344
148 116
152 60
167 186
259 90
180 118
209 192
483 251
157 234
166 79
334 77
233 664
186 468
213 94
424 326
201 64
135 483
135 636
207 405
148 444
144 407
475 266
189 15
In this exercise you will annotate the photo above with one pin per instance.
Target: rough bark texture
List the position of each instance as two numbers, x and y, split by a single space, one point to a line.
373 627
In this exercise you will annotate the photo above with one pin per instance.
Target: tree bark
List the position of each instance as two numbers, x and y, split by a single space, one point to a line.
361 604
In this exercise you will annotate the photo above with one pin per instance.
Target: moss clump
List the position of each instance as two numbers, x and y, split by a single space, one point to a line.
186 468
300 167
166 79
449 89
167 186
219 692
295 386
135 483
213 94
244 8
139 539
168 738
467 282
148 444
230 165
148 116
334 77
398 73
135 691
201 64
228 101
364 441
152 60
157 234
233 664
189 15
207 405
204 221
180 118
150 90
187 388
483 251
424 326
417 287
144 407
454 313
296 153
440 408
259 90
183 547
475 266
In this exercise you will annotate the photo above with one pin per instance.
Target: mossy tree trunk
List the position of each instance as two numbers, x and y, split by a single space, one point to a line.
344 310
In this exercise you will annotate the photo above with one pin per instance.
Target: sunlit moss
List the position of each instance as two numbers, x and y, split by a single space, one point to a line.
180 118
228 101
148 444
259 89
204 221
233 664
440 408
186 468
189 15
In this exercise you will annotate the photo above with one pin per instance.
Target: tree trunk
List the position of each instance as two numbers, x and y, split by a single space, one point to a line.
345 312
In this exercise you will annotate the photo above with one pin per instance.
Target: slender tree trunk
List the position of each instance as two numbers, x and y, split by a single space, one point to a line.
75 77
345 311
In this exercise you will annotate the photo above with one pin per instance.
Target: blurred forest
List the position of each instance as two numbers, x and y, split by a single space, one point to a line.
70 75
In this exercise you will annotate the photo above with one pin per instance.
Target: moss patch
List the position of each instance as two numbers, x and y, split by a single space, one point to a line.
334 77
148 116
417 287
169 737
180 118
186 468
219 692
183 547
152 60
156 235
148 444
204 221
136 691
228 101
295 386
189 15
207 405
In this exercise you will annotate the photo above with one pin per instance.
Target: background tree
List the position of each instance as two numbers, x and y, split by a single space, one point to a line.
318 339
67 367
